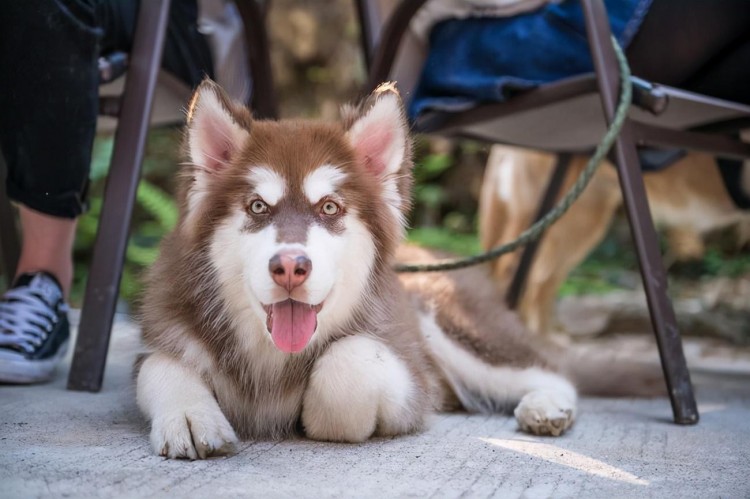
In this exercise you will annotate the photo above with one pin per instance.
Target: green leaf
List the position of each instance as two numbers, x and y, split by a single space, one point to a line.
431 167
430 195
444 239
101 155
141 255
158 204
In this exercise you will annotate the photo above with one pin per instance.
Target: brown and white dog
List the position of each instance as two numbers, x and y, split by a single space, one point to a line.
274 307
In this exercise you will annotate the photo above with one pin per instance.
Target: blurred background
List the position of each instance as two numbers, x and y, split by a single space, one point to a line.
318 66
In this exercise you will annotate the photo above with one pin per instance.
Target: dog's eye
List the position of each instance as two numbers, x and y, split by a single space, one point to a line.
258 207
329 208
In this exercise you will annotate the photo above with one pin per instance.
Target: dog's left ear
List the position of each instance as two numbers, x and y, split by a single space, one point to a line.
379 135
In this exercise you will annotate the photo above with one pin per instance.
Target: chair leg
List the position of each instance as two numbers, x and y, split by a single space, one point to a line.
642 229
654 279
87 370
10 246
389 41
518 285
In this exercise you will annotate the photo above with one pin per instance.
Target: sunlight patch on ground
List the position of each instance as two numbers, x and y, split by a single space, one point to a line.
558 455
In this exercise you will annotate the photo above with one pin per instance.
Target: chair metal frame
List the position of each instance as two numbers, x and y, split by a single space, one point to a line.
103 284
381 47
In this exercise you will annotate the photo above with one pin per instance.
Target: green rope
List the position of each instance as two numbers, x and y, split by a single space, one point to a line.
536 230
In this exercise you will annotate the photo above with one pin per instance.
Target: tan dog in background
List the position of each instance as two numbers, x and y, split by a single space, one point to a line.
687 199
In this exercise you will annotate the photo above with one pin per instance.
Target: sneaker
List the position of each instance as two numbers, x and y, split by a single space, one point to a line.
34 329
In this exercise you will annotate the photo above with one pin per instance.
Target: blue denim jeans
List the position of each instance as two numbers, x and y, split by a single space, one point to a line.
695 44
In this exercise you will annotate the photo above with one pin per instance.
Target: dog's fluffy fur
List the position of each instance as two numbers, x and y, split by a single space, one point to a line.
687 199
334 344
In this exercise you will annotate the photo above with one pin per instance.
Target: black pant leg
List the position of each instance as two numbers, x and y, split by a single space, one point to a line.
695 45
49 88
48 102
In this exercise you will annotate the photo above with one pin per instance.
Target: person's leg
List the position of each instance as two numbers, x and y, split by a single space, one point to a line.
47 245
680 43
701 46
727 76
48 111
48 108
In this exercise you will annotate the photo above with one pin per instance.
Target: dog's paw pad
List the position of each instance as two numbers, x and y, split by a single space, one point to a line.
194 434
545 413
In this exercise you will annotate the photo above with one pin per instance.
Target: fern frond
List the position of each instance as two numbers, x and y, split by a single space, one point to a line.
158 204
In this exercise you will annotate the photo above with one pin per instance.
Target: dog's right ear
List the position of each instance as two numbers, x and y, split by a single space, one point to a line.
215 128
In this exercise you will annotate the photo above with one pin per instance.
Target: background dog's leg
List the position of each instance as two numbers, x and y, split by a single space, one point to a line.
513 185
359 387
567 243
186 420
511 188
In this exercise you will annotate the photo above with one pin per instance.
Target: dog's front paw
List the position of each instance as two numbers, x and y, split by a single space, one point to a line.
193 434
544 412
346 411
353 427
357 388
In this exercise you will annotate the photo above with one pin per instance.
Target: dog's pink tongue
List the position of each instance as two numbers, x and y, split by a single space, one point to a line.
293 325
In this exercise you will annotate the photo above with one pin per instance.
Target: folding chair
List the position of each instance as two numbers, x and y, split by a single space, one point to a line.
133 111
661 117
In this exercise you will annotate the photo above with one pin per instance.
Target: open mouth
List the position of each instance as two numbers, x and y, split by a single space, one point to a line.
291 324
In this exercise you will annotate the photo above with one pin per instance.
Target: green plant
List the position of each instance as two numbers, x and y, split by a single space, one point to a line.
428 193
142 250
445 239
143 247
155 212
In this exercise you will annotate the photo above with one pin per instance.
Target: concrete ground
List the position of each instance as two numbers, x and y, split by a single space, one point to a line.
56 443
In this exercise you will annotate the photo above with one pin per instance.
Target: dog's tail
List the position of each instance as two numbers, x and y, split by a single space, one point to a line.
602 374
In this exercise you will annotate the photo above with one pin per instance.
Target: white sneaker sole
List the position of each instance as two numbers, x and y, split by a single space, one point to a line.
14 368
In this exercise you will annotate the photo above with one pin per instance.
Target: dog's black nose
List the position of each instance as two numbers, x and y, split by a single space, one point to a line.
289 269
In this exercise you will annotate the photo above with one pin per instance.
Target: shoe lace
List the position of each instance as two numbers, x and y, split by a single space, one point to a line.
26 319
